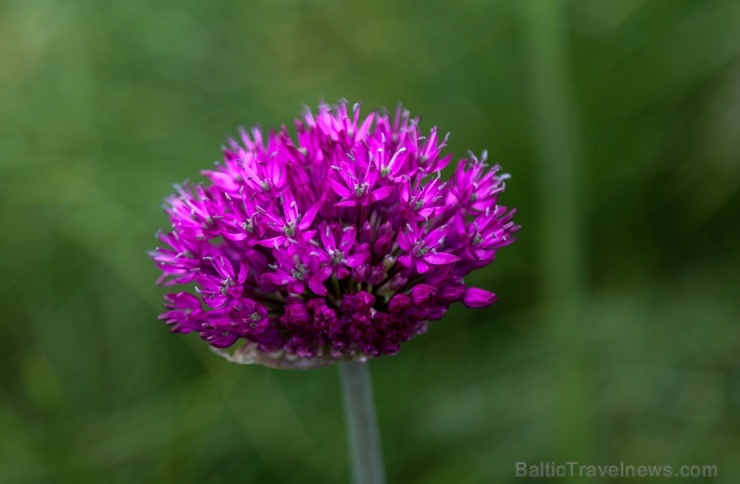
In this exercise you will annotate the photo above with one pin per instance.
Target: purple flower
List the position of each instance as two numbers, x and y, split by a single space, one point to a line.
341 243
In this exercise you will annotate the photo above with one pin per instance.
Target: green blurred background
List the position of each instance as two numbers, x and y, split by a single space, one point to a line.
616 337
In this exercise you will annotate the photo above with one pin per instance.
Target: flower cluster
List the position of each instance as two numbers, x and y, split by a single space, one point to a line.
343 242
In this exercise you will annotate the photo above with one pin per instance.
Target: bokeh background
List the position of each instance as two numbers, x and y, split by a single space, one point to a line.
616 337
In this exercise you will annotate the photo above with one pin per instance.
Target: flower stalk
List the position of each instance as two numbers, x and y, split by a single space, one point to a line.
366 456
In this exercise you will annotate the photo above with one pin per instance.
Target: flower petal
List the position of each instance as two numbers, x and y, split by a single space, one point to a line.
440 258
339 189
382 193
477 298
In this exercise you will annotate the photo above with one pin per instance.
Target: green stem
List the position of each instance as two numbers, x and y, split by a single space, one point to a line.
366 456
563 261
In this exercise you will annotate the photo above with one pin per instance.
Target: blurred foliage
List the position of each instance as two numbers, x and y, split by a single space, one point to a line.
103 105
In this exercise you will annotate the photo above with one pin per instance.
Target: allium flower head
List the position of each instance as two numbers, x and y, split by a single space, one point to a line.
344 242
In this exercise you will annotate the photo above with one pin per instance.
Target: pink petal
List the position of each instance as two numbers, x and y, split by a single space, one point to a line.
381 193
308 219
421 267
339 189
323 274
405 260
278 278
440 258
327 238
348 238
357 259
317 287
478 298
